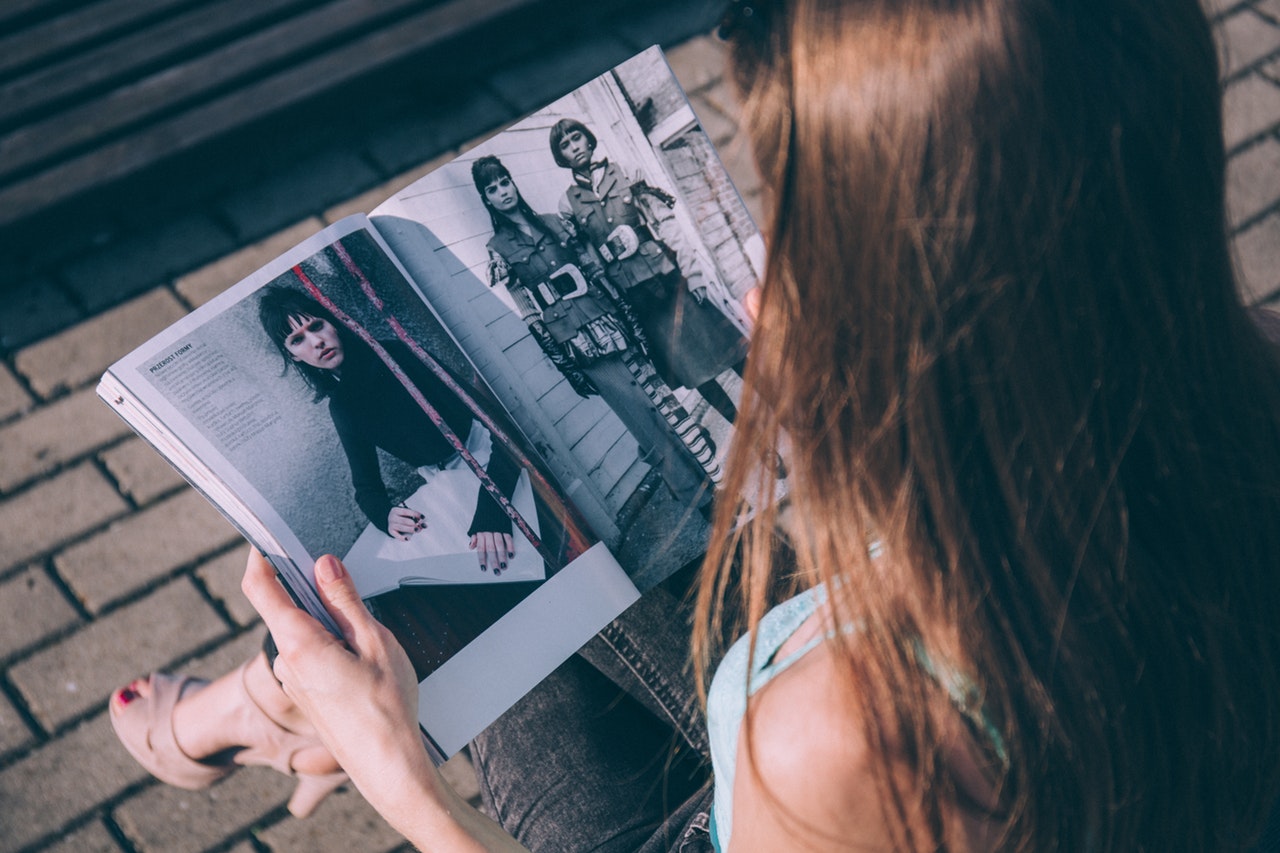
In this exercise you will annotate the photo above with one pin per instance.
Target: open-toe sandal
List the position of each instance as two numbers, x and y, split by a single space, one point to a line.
145 727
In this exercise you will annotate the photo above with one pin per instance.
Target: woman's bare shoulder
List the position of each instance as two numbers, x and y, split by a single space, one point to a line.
804 774
807 780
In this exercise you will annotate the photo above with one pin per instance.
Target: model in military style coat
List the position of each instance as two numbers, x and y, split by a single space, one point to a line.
629 222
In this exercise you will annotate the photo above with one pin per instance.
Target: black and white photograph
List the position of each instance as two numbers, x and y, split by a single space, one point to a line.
605 228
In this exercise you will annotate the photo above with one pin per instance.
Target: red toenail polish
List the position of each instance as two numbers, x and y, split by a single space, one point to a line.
127 695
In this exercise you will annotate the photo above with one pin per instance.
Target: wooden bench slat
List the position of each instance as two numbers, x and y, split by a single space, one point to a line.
12 10
294 85
59 35
118 58
199 78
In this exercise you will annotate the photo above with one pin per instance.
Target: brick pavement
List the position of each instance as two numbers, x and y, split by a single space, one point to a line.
111 567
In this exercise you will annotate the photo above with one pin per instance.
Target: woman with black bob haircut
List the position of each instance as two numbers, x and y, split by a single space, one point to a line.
371 409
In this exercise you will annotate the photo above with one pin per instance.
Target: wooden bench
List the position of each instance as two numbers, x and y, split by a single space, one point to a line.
96 90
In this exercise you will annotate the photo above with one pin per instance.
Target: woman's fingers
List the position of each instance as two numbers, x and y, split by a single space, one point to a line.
269 598
492 549
338 594
751 302
403 522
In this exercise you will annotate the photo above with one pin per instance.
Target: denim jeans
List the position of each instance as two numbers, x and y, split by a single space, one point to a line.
610 752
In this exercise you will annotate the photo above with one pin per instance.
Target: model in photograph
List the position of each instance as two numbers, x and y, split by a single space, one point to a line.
372 410
628 220
592 337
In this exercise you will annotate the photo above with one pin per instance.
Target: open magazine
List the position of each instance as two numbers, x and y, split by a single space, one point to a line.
502 398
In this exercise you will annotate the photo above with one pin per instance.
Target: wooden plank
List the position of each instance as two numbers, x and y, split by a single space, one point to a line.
200 78
11 10
296 84
58 35
94 69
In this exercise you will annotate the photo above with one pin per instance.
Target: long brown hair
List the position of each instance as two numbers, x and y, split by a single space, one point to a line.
999 335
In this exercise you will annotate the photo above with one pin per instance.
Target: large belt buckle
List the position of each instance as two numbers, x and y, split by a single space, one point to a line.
623 242
568 281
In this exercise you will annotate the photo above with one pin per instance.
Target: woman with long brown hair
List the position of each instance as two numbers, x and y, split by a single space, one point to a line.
1032 457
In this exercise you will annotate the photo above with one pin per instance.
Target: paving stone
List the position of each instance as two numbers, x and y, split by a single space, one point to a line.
143 547
1245 38
698 63
14 399
1253 180
55 434
31 609
1258 256
91 838
367 201
14 733
79 500
426 129
32 309
139 471
293 193
1250 106
207 282
530 85
168 819
226 656
739 162
1216 7
221 577
71 677
1269 9
81 353
146 259
344 821
61 781
719 128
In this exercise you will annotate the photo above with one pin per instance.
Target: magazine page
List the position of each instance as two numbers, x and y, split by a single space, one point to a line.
592 259
341 415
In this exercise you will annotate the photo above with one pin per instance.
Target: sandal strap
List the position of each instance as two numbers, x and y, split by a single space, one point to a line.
155 746
275 745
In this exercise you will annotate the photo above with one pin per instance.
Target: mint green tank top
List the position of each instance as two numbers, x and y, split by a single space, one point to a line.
734 683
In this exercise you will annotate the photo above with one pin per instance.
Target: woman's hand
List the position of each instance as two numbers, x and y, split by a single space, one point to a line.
403 522
499 270
493 549
361 694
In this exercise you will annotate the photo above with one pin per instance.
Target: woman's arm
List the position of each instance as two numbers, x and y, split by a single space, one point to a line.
362 697
490 528
366 478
